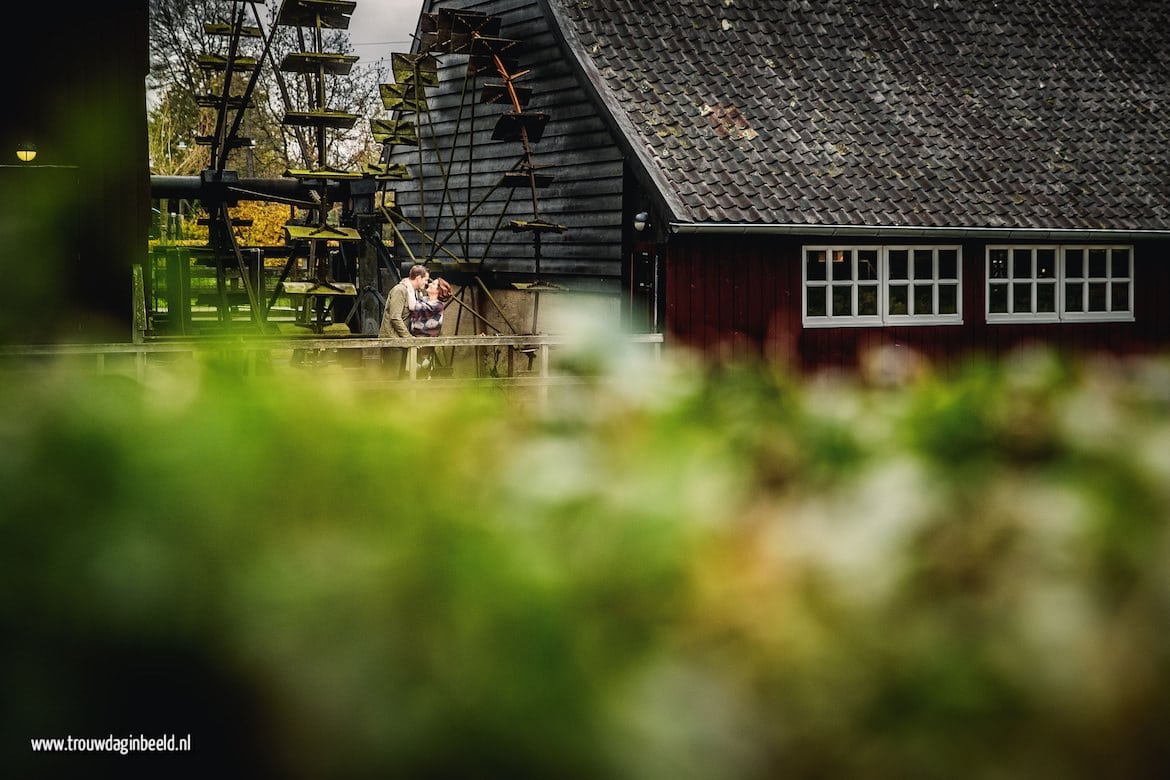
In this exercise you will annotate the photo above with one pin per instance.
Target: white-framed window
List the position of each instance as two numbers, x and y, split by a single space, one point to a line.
842 285
1022 283
1059 283
853 286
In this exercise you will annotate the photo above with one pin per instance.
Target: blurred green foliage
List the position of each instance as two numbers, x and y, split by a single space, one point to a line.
667 573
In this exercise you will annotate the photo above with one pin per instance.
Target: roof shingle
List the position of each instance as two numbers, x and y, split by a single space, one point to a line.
979 113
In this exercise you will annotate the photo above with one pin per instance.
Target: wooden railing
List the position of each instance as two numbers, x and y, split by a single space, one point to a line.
536 347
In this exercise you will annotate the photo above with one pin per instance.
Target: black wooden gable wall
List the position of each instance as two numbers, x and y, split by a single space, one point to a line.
456 137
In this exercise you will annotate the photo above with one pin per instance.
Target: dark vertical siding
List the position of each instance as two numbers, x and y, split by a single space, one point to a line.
1152 292
739 296
586 195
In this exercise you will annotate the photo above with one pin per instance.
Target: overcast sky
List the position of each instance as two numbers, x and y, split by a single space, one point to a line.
379 27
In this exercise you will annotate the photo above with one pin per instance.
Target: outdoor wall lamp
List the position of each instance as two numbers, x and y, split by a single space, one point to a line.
641 220
26 152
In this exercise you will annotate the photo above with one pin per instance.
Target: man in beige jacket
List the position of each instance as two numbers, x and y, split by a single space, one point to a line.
396 317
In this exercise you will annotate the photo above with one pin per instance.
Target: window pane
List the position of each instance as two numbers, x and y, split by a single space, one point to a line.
948 299
924 299
1120 263
867 264
923 264
1120 296
948 264
1046 263
1046 297
842 264
1022 297
867 299
1074 263
1022 264
1097 263
842 300
899 299
997 299
1097 296
999 259
815 265
899 264
816 300
1073 300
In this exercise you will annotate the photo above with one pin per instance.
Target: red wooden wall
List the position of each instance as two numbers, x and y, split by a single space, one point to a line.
739 297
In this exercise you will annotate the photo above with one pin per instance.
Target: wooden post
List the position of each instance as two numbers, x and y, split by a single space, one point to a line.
543 396
139 295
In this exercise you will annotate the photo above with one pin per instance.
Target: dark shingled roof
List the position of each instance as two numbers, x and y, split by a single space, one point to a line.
934 113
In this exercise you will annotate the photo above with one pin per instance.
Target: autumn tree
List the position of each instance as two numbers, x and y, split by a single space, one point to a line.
180 32
183 30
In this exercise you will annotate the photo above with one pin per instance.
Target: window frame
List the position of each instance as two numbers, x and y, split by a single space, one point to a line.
1009 282
883 317
829 319
1062 280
